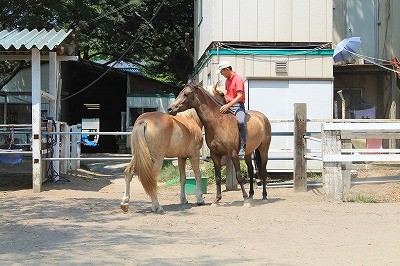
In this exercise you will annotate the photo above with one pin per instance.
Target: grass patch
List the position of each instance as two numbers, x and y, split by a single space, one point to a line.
311 176
361 199
168 172
207 170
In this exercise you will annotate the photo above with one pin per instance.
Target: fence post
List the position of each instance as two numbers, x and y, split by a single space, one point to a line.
300 147
332 171
345 166
37 177
65 145
56 149
74 147
79 139
392 142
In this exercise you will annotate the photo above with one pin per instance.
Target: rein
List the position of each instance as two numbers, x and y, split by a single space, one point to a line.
192 87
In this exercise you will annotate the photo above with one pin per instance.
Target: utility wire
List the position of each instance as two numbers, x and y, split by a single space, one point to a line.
123 54
242 54
366 58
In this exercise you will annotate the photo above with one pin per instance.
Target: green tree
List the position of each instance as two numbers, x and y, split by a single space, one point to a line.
107 28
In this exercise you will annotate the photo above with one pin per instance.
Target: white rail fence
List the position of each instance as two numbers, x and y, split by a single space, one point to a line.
336 156
63 153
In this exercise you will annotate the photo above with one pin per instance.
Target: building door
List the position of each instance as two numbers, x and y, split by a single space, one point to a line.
276 99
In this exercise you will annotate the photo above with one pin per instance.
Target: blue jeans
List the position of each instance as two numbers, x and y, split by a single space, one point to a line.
239 111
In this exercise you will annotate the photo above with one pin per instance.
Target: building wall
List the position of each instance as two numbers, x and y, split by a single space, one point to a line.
298 66
304 21
375 21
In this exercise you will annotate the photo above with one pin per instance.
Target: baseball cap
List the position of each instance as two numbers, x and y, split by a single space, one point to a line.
222 65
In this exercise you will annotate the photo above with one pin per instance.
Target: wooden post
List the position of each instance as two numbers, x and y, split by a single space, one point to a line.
231 181
392 142
36 122
343 109
53 86
335 110
332 171
300 147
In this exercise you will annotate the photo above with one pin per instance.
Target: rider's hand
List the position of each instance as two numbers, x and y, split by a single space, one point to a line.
224 108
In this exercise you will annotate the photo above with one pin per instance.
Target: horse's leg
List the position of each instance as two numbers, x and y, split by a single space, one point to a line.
182 175
155 205
217 168
263 172
239 176
196 169
128 177
250 171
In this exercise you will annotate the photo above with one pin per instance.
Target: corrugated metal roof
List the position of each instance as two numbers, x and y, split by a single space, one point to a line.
25 39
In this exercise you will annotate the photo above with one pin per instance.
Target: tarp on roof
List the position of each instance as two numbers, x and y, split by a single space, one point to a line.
26 40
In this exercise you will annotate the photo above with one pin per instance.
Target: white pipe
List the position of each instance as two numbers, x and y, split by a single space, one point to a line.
320 184
86 133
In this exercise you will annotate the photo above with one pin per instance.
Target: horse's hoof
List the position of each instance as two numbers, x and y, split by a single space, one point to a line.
215 204
200 203
264 201
124 207
159 210
184 201
247 203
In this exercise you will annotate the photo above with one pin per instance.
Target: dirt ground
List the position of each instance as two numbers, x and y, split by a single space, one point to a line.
80 223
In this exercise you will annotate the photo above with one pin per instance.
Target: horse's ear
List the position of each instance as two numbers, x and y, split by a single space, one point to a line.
198 85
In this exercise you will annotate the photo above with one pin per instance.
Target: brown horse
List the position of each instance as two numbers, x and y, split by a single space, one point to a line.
157 135
222 135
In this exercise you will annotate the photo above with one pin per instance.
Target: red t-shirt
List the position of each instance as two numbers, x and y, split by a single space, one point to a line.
232 86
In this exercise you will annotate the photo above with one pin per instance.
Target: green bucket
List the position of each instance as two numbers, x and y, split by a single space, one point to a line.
190 186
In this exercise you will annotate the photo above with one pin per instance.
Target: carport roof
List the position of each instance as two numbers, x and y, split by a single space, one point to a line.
24 40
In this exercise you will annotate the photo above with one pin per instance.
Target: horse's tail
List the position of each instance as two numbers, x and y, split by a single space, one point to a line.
142 158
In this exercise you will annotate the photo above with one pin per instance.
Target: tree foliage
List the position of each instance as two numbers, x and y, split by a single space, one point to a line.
107 28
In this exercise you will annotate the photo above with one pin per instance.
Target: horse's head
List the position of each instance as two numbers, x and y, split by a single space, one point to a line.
184 100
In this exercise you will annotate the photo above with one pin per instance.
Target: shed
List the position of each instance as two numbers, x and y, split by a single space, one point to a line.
37 46
109 100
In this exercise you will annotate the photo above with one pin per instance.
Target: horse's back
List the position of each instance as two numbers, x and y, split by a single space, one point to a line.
168 136
258 128
259 118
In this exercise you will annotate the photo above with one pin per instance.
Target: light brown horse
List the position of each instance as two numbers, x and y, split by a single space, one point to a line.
222 135
157 135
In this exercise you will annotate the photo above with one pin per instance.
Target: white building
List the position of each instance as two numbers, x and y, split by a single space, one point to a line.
281 48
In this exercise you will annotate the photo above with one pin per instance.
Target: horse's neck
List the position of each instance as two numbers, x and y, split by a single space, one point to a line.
208 112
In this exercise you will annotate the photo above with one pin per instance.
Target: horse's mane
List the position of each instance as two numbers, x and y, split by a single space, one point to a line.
191 113
216 97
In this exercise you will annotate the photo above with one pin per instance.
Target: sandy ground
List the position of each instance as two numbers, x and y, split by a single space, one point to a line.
80 223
